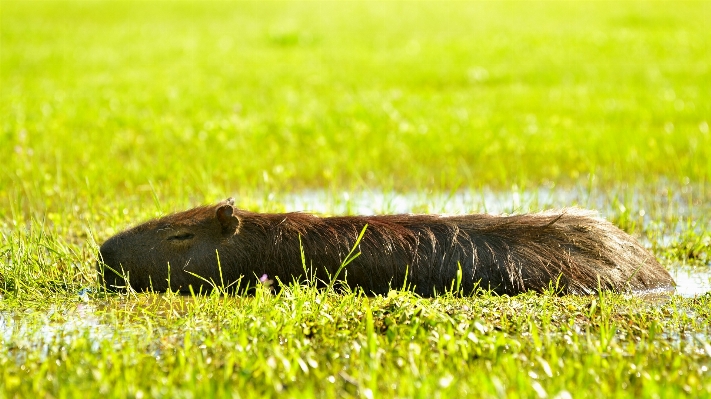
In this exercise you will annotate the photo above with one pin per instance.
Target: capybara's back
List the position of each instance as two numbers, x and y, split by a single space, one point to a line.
569 251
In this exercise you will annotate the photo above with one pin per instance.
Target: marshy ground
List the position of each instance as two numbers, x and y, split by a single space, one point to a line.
113 112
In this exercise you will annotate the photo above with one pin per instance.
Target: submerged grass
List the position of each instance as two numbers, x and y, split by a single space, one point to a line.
116 111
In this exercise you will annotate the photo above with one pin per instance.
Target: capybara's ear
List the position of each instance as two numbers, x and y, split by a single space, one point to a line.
229 222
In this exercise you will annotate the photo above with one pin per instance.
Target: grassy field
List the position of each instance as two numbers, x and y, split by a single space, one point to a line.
117 111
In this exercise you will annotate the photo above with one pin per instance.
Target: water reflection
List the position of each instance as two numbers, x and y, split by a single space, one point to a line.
691 281
648 203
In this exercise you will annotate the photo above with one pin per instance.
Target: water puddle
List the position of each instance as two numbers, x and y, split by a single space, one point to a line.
646 202
37 331
691 280
95 321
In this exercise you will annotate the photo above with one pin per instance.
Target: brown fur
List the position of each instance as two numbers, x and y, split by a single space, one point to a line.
570 249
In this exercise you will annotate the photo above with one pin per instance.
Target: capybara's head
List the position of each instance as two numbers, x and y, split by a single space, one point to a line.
186 243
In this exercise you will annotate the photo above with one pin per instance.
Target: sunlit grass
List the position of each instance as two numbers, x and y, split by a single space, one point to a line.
316 343
112 112
234 96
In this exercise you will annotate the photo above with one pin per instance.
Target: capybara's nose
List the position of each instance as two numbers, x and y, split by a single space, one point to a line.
108 266
105 254
109 250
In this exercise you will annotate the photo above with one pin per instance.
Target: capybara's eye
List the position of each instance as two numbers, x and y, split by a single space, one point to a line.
181 237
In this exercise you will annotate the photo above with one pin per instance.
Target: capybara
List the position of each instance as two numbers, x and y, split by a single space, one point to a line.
571 251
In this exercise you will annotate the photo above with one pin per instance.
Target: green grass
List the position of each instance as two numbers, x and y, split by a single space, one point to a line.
310 343
233 96
112 112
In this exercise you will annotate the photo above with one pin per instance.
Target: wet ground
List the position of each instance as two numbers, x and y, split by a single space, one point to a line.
83 317
691 281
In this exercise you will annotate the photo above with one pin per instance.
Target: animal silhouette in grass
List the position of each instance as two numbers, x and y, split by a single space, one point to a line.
570 250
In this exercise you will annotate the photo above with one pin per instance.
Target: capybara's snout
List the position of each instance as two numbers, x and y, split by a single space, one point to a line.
110 271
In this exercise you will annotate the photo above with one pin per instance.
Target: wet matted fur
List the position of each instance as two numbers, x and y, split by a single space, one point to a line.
571 250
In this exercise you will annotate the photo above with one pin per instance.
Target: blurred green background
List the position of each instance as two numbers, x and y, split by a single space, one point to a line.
112 112
102 100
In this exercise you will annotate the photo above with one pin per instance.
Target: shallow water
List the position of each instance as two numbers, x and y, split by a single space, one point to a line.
681 200
42 331
691 281
39 331
672 209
